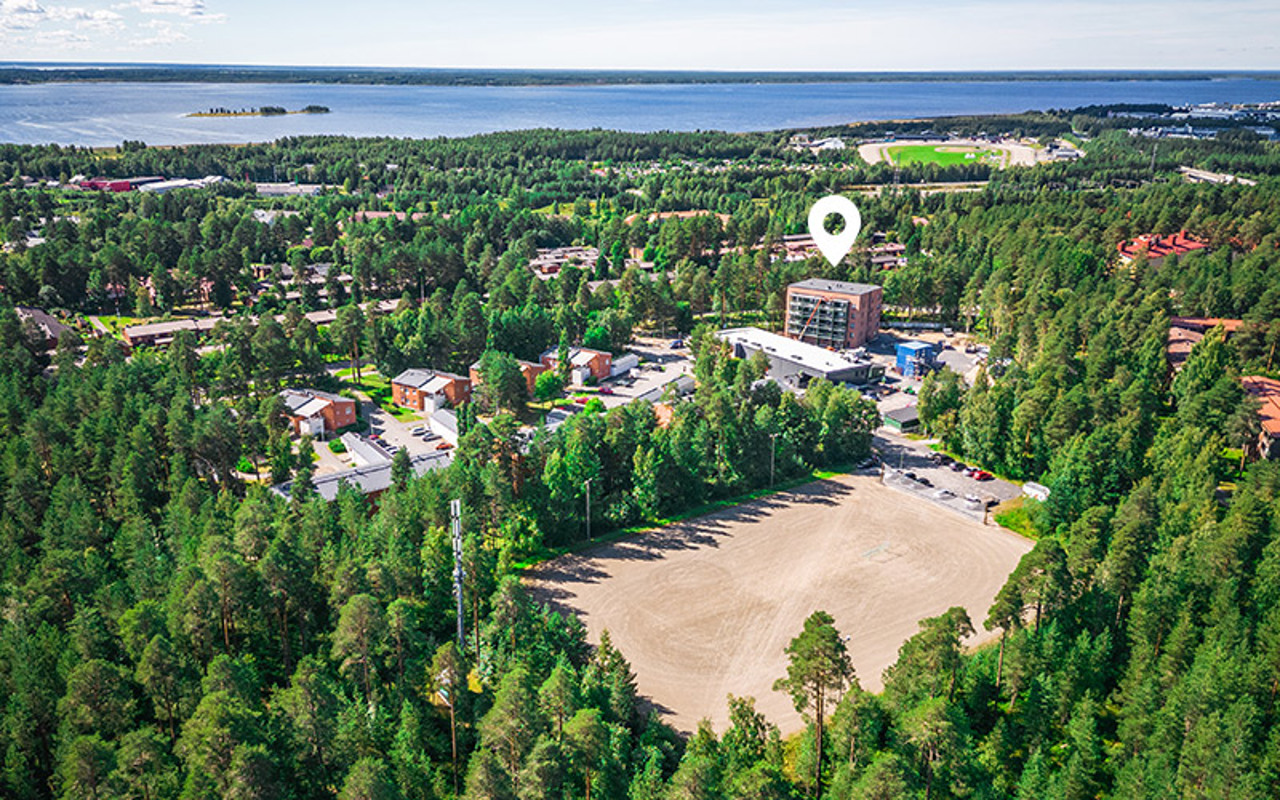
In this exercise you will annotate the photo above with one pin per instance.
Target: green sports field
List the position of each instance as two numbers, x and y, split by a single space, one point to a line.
941 154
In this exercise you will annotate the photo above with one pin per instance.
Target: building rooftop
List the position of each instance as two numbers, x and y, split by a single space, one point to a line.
806 355
1206 324
906 414
45 322
1267 392
1156 247
371 479
914 346
842 287
364 451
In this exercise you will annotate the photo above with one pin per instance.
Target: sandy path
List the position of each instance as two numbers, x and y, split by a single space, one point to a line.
705 608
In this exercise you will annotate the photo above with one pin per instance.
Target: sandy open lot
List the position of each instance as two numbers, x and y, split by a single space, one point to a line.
705 608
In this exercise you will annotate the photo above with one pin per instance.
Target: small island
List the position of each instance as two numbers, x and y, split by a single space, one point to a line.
265 111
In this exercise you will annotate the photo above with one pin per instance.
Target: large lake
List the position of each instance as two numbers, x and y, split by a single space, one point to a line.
106 113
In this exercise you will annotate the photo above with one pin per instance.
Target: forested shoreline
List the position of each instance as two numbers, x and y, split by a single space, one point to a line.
171 629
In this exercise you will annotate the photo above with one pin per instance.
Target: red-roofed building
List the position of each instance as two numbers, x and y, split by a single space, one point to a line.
1206 324
1267 392
1186 332
1157 248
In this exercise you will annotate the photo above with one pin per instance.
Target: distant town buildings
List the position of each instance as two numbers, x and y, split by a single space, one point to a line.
288 189
163 187
317 413
1157 248
794 363
804 143
834 314
548 261
1194 175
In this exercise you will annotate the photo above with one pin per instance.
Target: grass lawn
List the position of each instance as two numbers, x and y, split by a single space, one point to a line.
1016 515
118 324
378 389
942 155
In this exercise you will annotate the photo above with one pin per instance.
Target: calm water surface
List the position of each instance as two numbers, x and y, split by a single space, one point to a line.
107 113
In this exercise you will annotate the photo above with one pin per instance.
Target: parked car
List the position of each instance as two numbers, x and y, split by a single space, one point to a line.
418 431
958 466
866 463
606 390
971 472
924 481
972 500
983 475
909 475
444 446
676 344
944 494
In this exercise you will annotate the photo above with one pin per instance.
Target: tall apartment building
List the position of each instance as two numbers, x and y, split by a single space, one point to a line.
834 314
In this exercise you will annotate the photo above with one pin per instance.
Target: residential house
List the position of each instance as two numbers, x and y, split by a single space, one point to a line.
528 369
317 413
1267 392
584 364
42 323
1186 332
1158 248
429 390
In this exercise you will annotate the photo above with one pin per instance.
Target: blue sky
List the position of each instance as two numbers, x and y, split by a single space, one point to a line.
653 34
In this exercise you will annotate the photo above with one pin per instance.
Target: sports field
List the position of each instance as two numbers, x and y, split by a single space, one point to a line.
943 155
705 607
951 151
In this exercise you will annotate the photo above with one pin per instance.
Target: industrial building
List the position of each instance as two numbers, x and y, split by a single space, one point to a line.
794 364
834 314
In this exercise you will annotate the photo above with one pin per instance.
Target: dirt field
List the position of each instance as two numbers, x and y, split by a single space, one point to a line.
704 608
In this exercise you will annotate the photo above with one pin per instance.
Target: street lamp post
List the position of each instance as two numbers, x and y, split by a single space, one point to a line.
773 446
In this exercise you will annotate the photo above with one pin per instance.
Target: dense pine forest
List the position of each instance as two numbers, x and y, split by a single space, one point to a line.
171 629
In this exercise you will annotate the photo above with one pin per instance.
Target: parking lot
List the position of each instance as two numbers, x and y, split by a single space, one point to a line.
903 458
660 364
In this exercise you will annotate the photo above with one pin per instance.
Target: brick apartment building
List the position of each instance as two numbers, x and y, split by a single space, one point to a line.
834 314
429 390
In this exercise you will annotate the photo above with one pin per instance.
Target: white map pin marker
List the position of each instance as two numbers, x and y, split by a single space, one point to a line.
834 246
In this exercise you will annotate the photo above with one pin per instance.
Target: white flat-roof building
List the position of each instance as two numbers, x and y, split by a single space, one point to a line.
792 363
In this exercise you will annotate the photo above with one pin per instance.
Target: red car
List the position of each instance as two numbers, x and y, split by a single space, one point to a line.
606 390
982 475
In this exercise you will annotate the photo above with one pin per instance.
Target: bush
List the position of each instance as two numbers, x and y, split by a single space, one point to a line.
336 446
244 465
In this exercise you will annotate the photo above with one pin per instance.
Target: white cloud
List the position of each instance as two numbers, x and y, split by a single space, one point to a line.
164 34
87 19
21 15
193 10
62 39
